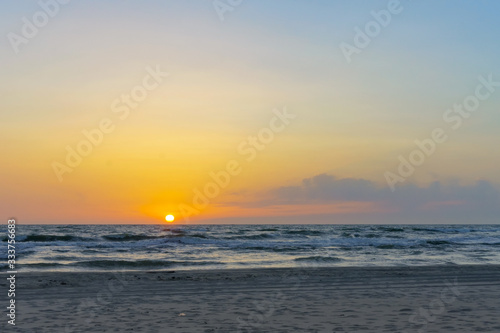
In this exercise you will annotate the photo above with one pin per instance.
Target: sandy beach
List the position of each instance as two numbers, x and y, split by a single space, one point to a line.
309 299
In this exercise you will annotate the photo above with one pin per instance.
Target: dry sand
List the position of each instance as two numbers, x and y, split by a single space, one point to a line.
408 299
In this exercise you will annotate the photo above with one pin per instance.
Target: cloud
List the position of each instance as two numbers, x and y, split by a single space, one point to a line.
475 203
328 188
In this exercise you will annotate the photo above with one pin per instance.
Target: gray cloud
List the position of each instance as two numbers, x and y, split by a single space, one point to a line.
438 201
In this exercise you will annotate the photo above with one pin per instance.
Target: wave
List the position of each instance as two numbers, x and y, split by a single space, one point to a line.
44 264
439 242
140 263
392 229
175 231
319 259
124 263
427 230
275 248
387 246
91 248
450 230
269 229
350 235
199 236
50 238
128 237
304 232
251 237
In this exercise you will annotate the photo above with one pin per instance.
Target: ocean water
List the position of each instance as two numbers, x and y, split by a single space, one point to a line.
167 247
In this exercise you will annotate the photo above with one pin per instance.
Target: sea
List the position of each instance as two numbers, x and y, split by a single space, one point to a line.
195 247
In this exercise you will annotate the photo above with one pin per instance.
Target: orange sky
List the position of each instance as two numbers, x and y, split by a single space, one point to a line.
153 105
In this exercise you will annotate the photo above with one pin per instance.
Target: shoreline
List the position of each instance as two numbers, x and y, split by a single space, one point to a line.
306 266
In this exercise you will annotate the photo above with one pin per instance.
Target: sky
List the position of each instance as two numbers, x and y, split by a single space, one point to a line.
250 111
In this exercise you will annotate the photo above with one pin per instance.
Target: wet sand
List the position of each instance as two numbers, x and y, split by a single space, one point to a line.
308 299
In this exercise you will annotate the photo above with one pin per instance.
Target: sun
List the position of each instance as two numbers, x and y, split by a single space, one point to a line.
169 218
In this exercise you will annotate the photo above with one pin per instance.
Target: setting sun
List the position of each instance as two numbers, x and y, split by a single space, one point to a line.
169 218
